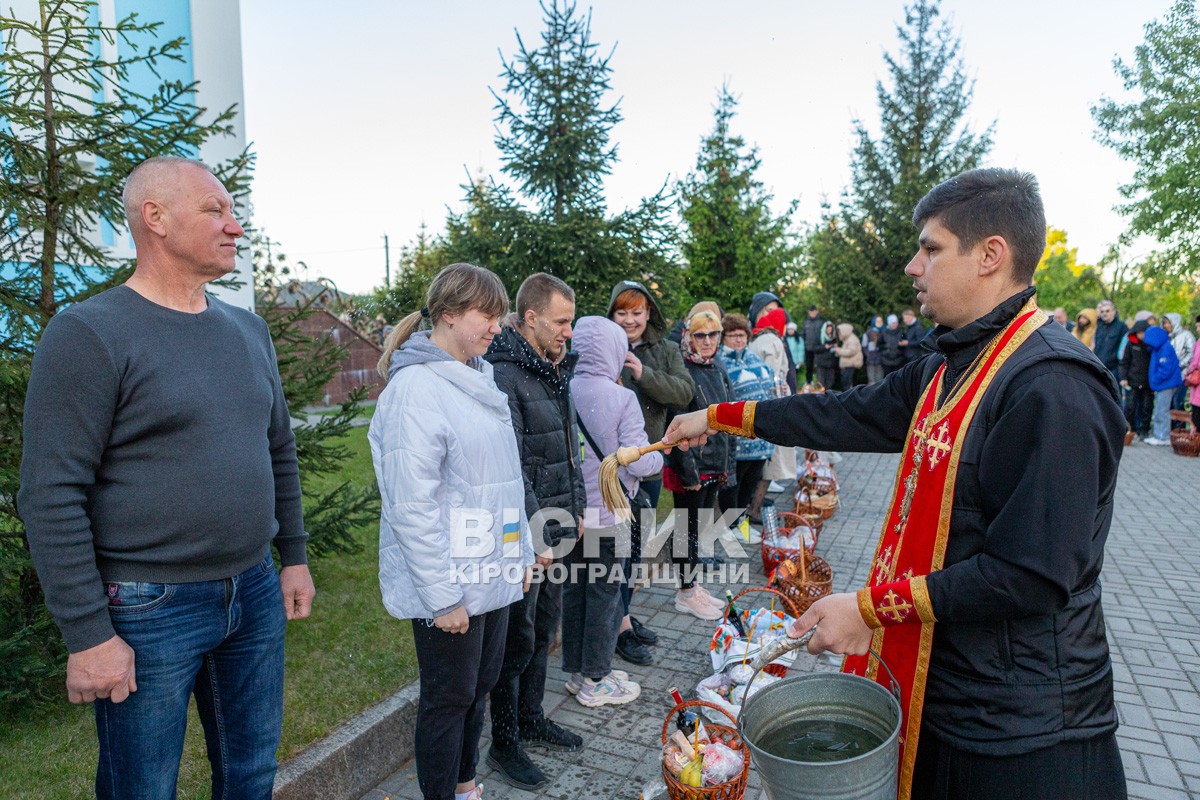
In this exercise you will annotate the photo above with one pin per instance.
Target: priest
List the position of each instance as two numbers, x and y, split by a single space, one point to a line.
983 596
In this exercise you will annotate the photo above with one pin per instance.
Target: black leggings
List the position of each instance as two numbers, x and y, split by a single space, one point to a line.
741 494
690 503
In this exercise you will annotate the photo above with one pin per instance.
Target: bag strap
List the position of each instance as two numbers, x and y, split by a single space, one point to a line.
599 453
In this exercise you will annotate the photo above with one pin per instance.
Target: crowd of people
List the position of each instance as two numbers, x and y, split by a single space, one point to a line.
1156 363
488 443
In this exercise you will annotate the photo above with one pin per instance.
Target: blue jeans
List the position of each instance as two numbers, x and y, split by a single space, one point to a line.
220 640
1162 413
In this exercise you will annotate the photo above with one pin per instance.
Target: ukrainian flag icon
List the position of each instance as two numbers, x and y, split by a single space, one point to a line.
512 532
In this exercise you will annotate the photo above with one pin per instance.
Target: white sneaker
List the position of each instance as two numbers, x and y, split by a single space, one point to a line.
608 691
575 680
709 598
1157 442
775 488
696 604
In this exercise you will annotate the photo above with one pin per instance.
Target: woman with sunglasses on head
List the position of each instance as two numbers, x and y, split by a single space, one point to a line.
694 476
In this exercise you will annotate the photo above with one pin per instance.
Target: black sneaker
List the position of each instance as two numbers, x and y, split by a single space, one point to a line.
632 650
548 735
643 634
515 767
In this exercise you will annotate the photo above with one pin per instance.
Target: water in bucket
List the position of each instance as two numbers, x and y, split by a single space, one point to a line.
819 740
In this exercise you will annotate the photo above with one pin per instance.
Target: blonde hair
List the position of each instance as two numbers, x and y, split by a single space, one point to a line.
703 319
456 289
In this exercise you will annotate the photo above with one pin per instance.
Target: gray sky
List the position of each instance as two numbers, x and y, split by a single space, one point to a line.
365 114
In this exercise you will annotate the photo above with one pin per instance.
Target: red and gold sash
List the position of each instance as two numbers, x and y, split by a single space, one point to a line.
912 544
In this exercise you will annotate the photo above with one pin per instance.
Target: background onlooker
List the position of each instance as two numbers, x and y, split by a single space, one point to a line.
1135 380
1194 395
695 475
849 353
871 341
795 346
1110 333
1164 378
1184 342
1085 327
827 360
768 346
764 303
913 332
752 379
891 352
812 341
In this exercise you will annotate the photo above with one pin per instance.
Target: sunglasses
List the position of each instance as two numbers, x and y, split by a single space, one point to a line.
707 336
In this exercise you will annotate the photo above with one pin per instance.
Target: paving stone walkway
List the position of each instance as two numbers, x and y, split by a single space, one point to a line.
1150 577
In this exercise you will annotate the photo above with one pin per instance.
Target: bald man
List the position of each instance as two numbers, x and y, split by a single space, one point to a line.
159 466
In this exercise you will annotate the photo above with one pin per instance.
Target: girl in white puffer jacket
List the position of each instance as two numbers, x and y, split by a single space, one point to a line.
454 543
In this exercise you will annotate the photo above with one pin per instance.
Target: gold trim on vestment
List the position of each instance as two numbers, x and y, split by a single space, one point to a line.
920 596
866 607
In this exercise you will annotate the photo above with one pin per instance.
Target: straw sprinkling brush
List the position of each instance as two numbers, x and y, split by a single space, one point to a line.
612 492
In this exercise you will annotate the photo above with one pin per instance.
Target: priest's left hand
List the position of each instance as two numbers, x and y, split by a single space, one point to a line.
840 626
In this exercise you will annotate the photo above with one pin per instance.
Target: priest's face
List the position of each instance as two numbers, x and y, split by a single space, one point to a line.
944 278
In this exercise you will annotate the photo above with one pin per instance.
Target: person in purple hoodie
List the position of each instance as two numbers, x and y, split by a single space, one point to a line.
1165 378
609 417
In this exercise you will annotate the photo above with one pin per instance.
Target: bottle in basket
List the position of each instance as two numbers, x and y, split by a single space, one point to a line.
734 615
686 721
770 519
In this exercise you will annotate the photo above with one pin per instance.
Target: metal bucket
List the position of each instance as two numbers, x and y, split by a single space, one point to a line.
825 696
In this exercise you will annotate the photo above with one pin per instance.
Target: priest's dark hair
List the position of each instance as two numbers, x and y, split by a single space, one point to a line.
991 202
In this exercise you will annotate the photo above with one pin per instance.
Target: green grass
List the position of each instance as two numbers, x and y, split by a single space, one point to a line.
346 657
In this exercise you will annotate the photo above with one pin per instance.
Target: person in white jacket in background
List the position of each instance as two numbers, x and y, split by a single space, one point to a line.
454 543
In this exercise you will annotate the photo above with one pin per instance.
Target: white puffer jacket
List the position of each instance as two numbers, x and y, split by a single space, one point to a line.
453 530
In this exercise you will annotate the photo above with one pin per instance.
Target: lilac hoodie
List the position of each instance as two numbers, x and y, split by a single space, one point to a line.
608 410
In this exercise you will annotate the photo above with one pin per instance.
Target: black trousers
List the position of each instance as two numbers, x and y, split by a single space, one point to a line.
1139 408
1087 770
457 672
517 695
653 489
741 494
690 503
810 361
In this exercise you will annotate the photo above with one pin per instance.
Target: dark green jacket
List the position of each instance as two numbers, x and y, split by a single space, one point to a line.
665 385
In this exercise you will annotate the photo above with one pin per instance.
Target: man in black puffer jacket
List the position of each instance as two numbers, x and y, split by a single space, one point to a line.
529 365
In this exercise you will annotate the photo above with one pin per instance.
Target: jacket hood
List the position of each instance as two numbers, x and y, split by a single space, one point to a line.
1156 337
1089 314
601 345
845 330
1141 326
1176 321
657 322
775 319
759 300
474 377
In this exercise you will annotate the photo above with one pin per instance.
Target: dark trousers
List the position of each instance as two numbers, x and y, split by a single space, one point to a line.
810 359
828 377
848 377
741 494
591 602
1087 770
1139 408
690 504
517 695
653 489
457 672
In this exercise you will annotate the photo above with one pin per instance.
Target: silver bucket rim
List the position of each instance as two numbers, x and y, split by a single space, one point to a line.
839 676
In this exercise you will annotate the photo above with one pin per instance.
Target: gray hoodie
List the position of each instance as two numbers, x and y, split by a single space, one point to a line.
609 411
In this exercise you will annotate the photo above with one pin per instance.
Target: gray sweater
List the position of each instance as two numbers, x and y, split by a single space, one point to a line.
157 448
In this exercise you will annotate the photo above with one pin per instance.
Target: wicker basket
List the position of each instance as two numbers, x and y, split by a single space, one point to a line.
1185 443
822 505
808 582
789 607
772 554
726 735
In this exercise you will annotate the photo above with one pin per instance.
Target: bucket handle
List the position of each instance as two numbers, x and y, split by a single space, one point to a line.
794 643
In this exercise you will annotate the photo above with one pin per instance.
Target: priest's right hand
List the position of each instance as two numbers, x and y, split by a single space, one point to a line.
840 626
688 430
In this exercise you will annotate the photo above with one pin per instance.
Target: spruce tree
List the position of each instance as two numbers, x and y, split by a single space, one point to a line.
861 252
733 245
553 133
